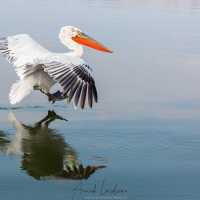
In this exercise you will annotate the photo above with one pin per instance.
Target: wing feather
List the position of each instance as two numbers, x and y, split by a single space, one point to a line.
89 95
22 51
94 90
69 85
73 90
83 95
78 92
74 76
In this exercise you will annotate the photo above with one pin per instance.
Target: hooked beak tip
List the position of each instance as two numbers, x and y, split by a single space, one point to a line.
110 51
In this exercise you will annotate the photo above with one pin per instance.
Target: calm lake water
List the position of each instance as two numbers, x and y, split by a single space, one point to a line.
142 139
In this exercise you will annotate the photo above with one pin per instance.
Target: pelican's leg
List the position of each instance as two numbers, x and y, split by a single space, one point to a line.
57 96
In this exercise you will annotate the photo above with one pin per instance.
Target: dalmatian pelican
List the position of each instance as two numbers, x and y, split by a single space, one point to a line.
40 69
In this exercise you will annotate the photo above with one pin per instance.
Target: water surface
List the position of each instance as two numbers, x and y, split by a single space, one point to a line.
141 141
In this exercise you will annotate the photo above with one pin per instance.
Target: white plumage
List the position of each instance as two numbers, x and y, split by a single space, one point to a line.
40 69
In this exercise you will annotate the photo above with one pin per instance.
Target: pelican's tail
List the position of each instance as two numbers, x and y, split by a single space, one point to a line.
19 90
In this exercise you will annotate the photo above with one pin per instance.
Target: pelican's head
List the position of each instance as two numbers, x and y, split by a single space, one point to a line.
72 37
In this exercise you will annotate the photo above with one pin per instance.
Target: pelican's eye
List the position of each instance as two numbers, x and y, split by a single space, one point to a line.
78 32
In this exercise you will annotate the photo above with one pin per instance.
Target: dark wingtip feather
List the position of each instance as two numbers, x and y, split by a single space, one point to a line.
89 95
95 93
83 95
78 92
72 92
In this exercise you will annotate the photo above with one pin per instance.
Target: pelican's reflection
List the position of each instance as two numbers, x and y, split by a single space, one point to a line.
44 152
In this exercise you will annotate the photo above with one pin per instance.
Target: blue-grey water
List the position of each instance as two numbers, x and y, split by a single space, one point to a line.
142 139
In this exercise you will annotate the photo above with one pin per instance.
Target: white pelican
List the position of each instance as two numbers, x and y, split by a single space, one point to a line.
40 69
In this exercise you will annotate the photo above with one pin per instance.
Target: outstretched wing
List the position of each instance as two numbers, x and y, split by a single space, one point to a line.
74 75
22 51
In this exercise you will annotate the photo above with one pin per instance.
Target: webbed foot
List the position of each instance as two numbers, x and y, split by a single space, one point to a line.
57 96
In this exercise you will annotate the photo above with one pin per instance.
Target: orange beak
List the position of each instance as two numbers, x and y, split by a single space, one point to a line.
82 38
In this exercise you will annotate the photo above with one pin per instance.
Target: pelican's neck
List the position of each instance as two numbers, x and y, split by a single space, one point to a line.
77 49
